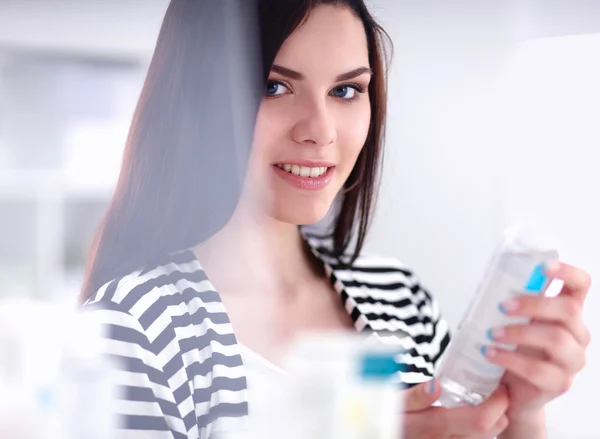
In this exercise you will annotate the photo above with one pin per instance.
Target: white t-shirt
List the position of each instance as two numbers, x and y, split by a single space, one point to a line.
266 382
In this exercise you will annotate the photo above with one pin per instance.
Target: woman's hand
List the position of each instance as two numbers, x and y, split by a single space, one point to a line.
550 350
422 421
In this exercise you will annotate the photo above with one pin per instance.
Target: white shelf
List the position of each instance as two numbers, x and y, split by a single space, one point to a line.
51 194
40 184
81 123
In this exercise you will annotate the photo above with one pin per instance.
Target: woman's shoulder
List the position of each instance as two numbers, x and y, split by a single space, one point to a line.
165 306
388 297
166 282
387 289
169 309
395 303
369 271
168 330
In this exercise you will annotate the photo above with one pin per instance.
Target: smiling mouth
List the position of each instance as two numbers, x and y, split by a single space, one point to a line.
304 171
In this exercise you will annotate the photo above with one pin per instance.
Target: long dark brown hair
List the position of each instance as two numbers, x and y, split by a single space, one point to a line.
186 154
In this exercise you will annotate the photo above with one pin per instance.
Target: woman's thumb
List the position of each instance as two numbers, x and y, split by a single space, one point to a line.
421 396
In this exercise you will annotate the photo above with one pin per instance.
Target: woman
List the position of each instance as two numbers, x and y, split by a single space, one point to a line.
180 216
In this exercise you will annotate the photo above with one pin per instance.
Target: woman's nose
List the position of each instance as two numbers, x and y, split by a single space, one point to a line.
316 125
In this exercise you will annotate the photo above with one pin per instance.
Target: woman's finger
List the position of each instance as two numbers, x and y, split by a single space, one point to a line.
428 423
477 421
421 396
480 421
554 340
577 282
563 309
542 374
494 432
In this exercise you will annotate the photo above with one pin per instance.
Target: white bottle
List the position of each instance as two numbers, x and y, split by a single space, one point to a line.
55 383
517 268
343 387
86 385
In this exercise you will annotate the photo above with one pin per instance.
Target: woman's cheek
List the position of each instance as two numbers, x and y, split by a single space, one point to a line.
269 132
353 132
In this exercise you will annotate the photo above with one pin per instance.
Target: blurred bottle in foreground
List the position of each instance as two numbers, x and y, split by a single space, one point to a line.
338 386
54 381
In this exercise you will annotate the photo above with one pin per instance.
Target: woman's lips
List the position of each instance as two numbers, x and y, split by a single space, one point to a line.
306 183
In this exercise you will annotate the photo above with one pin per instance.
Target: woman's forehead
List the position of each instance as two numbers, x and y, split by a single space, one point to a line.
331 37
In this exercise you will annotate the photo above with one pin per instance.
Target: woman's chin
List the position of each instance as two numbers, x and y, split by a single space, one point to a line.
301 216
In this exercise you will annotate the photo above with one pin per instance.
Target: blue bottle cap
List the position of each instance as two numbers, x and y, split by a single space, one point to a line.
379 366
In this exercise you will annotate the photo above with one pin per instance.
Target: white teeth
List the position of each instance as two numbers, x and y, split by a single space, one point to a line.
303 171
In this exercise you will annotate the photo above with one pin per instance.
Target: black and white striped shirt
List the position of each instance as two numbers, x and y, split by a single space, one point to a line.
181 372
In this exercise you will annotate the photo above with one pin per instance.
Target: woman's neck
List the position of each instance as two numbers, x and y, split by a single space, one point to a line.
255 251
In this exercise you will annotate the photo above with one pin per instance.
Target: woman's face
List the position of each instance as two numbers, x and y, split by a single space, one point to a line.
313 120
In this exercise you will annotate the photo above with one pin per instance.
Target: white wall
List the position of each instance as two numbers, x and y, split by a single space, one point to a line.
440 208
553 93
482 130
117 28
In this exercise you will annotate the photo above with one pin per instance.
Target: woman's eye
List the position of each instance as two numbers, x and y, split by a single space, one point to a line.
275 88
347 92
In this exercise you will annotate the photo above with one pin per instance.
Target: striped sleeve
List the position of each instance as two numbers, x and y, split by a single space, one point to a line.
440 336
390 299
405 306
145 405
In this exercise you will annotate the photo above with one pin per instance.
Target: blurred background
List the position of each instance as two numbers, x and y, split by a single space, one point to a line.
493 116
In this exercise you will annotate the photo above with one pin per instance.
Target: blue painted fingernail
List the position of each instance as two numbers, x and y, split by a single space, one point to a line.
431 387
483 350
508 306
489 334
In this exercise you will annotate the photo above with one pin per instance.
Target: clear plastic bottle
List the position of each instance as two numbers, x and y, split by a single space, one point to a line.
517 268
343 387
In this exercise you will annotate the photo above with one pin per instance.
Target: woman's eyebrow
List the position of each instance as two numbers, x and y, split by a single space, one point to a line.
353 74
292 74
